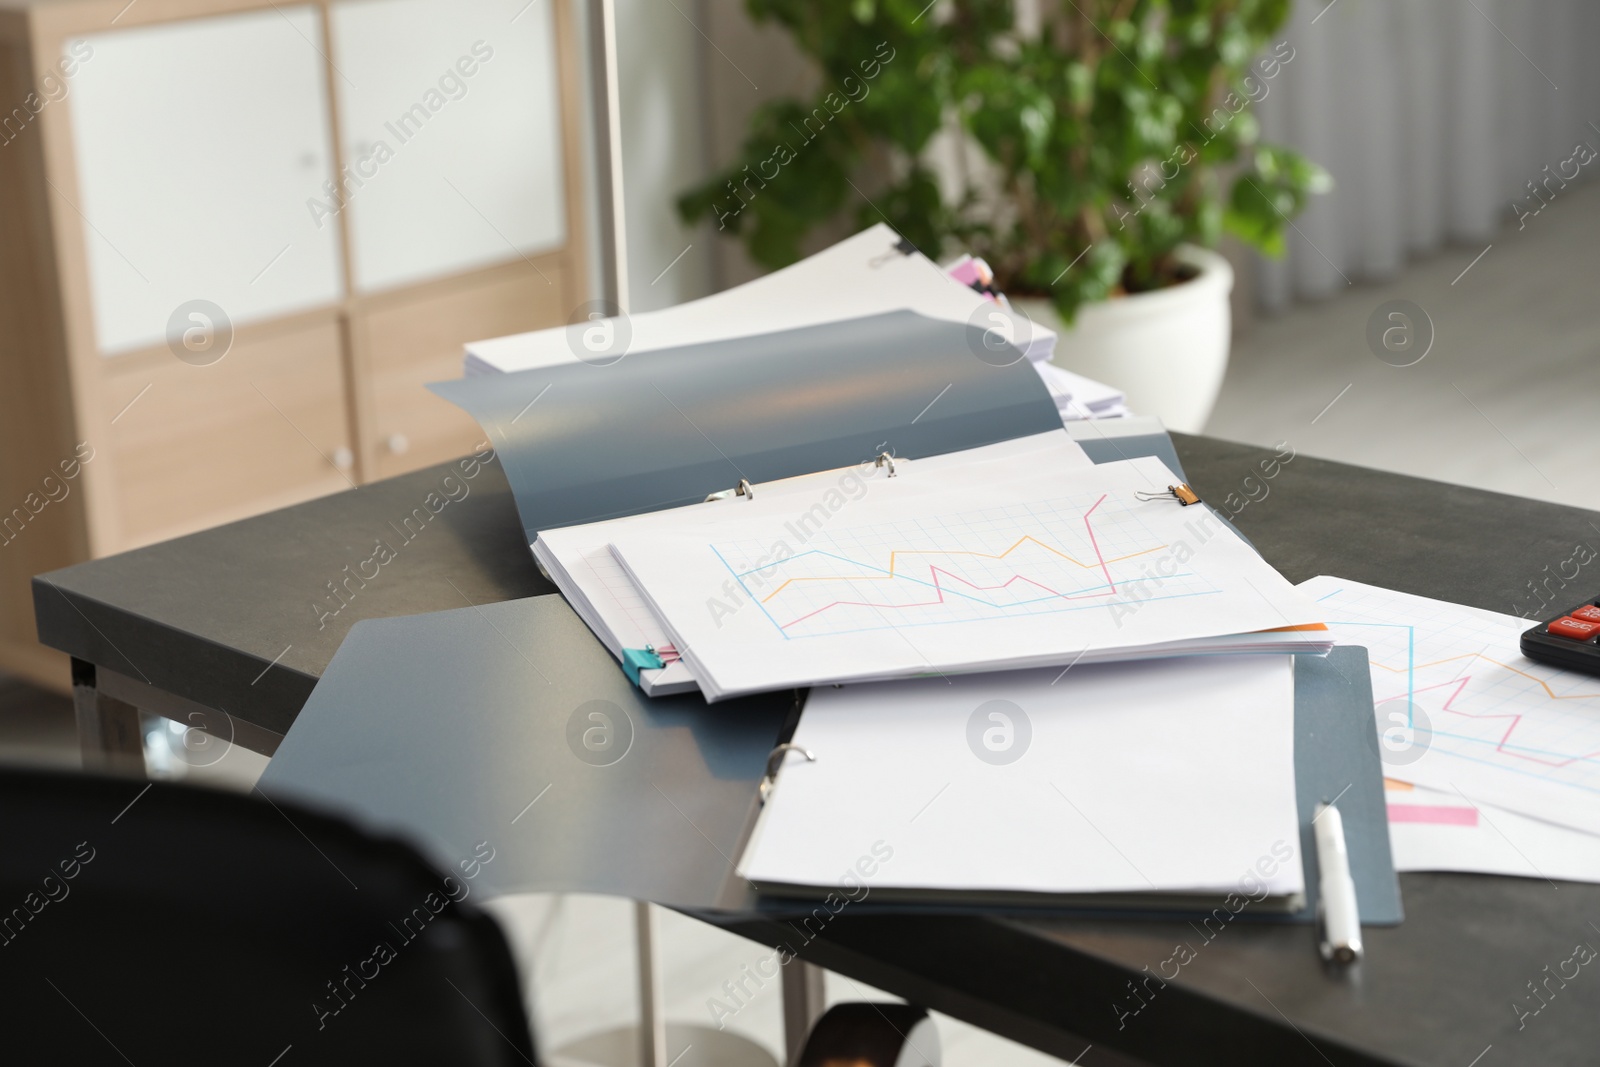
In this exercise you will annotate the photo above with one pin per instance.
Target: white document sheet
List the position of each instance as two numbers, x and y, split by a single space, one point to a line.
1077 397
1167 777
579 559
954 580
861 275
1433 831
1462 711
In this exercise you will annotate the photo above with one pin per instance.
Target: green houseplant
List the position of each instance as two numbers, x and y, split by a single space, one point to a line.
1113 133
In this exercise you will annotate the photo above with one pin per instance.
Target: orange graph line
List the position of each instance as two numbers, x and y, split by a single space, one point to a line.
953 552
1551 693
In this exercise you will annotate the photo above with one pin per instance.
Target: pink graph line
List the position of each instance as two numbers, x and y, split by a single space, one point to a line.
1436 814
1096 544
1516 720
934 572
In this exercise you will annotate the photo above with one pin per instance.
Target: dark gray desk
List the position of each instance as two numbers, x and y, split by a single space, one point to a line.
240 619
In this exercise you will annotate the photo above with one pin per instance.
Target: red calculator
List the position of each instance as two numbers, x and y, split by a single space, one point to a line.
1571 640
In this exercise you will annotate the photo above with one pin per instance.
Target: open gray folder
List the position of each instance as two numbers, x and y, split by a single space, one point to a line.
628 434
509 724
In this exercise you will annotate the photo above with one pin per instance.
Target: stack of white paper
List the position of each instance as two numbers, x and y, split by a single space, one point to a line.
863 275
1078 397
860 276
1113 784
579 560
937 575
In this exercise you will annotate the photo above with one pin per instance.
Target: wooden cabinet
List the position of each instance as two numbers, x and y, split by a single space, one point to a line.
410 339
197 145
451 125
237 239
194 446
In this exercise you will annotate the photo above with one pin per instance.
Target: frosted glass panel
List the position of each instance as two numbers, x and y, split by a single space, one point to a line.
200 147
451 135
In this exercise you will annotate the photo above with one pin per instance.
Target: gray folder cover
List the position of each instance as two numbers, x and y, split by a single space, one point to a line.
1336 758
511 724
594 440
1109 448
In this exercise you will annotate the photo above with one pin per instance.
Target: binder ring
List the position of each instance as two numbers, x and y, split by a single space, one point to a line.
775 760
743 489
885 460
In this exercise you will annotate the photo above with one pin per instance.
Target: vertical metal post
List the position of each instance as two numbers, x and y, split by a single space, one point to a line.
804 1000
608 150
652 1017
607 109
108 729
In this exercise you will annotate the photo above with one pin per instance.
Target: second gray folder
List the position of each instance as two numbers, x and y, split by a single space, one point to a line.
510 724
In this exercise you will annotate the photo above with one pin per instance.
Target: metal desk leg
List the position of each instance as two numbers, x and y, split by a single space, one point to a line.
654 1042
652 1013
108 729
804 1000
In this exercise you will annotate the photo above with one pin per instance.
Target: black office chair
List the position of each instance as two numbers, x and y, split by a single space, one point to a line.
158 923
155 923
874 1035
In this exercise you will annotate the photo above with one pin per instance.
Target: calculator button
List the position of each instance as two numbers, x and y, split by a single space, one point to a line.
1577 629
1587 613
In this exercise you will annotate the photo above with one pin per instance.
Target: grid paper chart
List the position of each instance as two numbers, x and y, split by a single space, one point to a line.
1006 561
1460 709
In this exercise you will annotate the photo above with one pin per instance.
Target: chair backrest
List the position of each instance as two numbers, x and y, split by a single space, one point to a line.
157 923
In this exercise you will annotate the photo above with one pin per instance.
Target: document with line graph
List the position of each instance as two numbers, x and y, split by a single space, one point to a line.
1462 711
579 560
1077 567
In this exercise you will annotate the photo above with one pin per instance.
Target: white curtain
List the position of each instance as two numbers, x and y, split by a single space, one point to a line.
1433 116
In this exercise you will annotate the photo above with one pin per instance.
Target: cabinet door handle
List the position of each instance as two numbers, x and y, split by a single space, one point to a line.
343 459
398 443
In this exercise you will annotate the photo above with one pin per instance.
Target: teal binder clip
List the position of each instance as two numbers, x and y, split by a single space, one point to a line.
635 660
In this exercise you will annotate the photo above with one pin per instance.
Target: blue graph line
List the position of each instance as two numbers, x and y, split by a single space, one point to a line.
900 576
1005 610
1411 668
1004 614
1411 657
1051 597
1553 780
1511 749
748 593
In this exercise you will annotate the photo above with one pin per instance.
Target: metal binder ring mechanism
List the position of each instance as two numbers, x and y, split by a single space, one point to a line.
1180 492
775 760
885 460
743 489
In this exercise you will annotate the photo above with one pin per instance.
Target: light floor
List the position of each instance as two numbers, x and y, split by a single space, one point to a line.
1508 398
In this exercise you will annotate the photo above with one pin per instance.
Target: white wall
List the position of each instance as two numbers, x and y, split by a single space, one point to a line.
663 148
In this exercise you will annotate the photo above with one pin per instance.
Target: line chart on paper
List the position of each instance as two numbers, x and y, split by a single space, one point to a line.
1453 682
1005 561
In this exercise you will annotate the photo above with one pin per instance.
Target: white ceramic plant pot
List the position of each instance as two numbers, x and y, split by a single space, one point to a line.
1166 349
